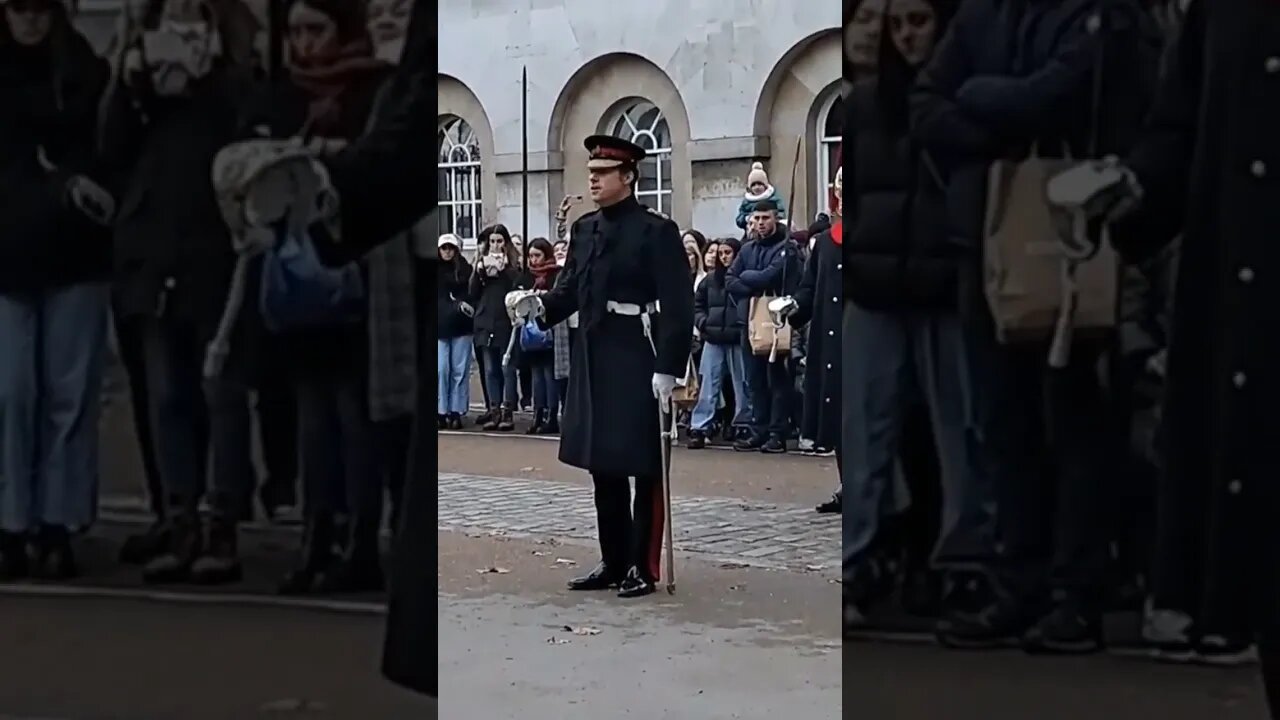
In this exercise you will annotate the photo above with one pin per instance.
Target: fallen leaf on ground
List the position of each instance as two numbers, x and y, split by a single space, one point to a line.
557 641
582 630
815 568
528 469
566 561
733 565
539 553
494 570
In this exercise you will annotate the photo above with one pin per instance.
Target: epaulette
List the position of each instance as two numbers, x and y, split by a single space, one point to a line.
655 212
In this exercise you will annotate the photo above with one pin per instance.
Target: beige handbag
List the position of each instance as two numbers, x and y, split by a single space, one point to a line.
1023 259
767 337
687 390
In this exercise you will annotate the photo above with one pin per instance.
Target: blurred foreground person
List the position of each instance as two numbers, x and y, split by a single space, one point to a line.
55 266
1205 168
385 184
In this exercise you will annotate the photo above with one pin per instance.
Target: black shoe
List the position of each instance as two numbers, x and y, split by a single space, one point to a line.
539 423
750 444
999 625
142 548
15 563
1069 629
635 585
601 578
55 559
697 440
492 419
185 546
352 575
921 593
454 421
219 564
485 417
775 446
831 506
1220 651
552 426
730 433
872 582
442 422
506 423
317 557
277 498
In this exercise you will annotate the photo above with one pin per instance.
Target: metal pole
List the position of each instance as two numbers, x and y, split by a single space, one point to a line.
275 48
524 167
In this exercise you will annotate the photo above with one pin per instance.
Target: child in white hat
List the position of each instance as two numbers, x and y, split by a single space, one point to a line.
758 188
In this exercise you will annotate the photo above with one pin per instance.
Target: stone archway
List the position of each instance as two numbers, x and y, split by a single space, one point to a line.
789 106
456 100
591 99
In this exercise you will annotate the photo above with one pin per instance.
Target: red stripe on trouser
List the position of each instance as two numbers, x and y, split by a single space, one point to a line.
653 558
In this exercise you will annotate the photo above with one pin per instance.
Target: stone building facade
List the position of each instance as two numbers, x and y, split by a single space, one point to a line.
708 86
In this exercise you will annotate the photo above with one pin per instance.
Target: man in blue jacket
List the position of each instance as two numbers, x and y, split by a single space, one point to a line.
768 266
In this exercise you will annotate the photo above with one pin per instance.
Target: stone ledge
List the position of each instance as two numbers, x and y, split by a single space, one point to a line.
539 162
749 147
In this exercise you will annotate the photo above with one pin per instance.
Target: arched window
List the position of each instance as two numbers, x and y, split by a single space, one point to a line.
459 167
830 133
642 123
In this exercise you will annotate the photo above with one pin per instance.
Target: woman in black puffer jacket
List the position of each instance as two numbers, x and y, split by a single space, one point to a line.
453 334
496 273
720 325
55 268
902 341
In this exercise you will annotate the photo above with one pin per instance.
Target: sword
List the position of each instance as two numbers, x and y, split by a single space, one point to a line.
666 433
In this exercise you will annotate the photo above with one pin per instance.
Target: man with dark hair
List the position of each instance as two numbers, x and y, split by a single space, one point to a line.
767 267
627 278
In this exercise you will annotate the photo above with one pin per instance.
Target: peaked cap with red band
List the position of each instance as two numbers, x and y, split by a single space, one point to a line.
608 152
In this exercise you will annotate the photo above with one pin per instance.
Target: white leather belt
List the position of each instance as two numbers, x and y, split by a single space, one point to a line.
641 311
631 309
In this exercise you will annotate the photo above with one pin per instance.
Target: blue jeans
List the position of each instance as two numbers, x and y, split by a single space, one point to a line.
891 361
453 373
501 382
51 359
715 360
339 445
771 387
546 391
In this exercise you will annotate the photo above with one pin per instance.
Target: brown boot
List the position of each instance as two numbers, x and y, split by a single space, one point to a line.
506 423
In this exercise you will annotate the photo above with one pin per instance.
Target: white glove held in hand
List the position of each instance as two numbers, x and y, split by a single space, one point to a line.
784 306
663 385
524 305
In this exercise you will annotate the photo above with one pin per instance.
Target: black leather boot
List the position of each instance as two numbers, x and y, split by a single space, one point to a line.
317 557
219 564
360 569
601 578
636 585
54 558
14 561
506 420
143 547
185 545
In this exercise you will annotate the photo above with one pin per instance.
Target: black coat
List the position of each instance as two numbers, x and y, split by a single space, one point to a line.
173 254
1012 73
897 250
48 99
388 183
821 304
764 267
451 291
627 254
1207 163
488 293
715 312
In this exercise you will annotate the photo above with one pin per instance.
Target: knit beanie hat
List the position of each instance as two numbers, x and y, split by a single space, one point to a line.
757 174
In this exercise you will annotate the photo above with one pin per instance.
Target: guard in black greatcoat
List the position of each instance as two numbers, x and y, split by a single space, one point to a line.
628 279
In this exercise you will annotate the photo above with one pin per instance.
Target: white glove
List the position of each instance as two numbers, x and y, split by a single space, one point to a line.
784 306
297 185
91 200
524 305
663 385
466 309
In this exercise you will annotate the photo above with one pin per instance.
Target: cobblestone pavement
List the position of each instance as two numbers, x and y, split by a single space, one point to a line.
781 537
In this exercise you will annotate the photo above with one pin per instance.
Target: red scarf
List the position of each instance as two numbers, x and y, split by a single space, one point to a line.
544 274
326 78
837 233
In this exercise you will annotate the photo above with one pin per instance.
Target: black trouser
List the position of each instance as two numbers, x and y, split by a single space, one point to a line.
133 357
1048 446
771 388
396 440
919 526
630 537
277 410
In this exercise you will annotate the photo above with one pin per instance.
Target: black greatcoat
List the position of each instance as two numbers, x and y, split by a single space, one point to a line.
1210 165
387 183
628 254
820 297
